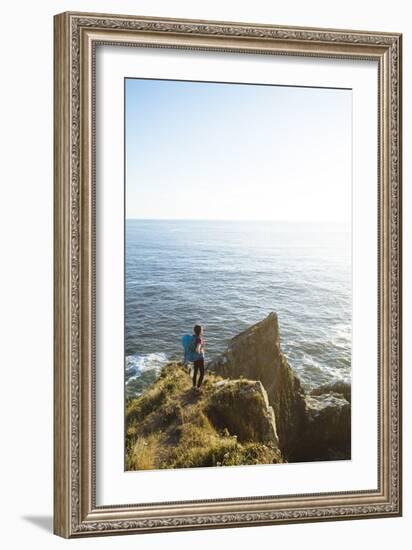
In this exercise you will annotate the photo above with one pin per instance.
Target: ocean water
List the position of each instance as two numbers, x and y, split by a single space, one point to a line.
227 275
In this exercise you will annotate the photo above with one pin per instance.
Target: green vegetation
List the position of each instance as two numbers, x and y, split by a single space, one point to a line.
171 426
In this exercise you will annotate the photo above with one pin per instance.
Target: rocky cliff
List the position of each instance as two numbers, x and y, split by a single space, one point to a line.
229 423
252 410
310 427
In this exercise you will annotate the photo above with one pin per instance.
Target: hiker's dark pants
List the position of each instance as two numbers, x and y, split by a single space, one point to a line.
198 365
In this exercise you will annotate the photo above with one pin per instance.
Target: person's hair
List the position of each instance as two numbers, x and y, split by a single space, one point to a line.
197 330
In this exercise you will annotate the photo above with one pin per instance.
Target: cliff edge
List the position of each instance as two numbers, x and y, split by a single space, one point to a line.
310 427
229 423
252 410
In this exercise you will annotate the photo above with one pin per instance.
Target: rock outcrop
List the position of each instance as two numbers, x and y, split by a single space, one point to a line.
255 353
310 427
242 407
328 427
339 388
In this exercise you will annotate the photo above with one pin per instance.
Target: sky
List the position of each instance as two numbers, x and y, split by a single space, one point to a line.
217 151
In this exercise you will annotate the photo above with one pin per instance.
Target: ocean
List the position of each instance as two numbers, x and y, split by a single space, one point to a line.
227 275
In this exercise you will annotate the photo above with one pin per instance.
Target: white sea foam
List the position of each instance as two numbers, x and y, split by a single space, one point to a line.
137 364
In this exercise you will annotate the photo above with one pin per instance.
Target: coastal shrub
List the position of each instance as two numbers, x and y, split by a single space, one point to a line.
257 453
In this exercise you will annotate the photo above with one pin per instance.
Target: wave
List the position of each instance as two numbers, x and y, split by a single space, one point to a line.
138 364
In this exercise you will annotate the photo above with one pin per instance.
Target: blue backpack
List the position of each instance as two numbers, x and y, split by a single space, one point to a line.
189 348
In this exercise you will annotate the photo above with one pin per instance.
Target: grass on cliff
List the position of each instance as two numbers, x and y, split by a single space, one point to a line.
170 426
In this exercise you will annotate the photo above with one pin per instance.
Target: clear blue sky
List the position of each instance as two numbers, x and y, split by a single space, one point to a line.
233 151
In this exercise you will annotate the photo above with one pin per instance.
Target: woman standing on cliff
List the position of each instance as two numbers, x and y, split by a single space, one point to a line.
199 362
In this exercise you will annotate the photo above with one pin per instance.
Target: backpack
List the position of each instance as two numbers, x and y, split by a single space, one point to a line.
189 348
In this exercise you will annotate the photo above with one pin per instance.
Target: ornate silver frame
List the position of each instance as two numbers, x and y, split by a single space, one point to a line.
75 38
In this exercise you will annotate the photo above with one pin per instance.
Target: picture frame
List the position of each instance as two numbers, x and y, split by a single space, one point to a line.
76 37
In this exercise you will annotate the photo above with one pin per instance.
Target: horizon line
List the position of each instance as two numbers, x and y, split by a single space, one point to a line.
234 220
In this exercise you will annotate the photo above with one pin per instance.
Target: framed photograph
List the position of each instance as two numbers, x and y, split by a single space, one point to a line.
227 274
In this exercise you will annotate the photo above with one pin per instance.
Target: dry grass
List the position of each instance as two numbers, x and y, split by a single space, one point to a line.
168 427
143 454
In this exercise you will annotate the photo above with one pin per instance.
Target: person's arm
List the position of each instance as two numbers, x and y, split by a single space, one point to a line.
198 345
